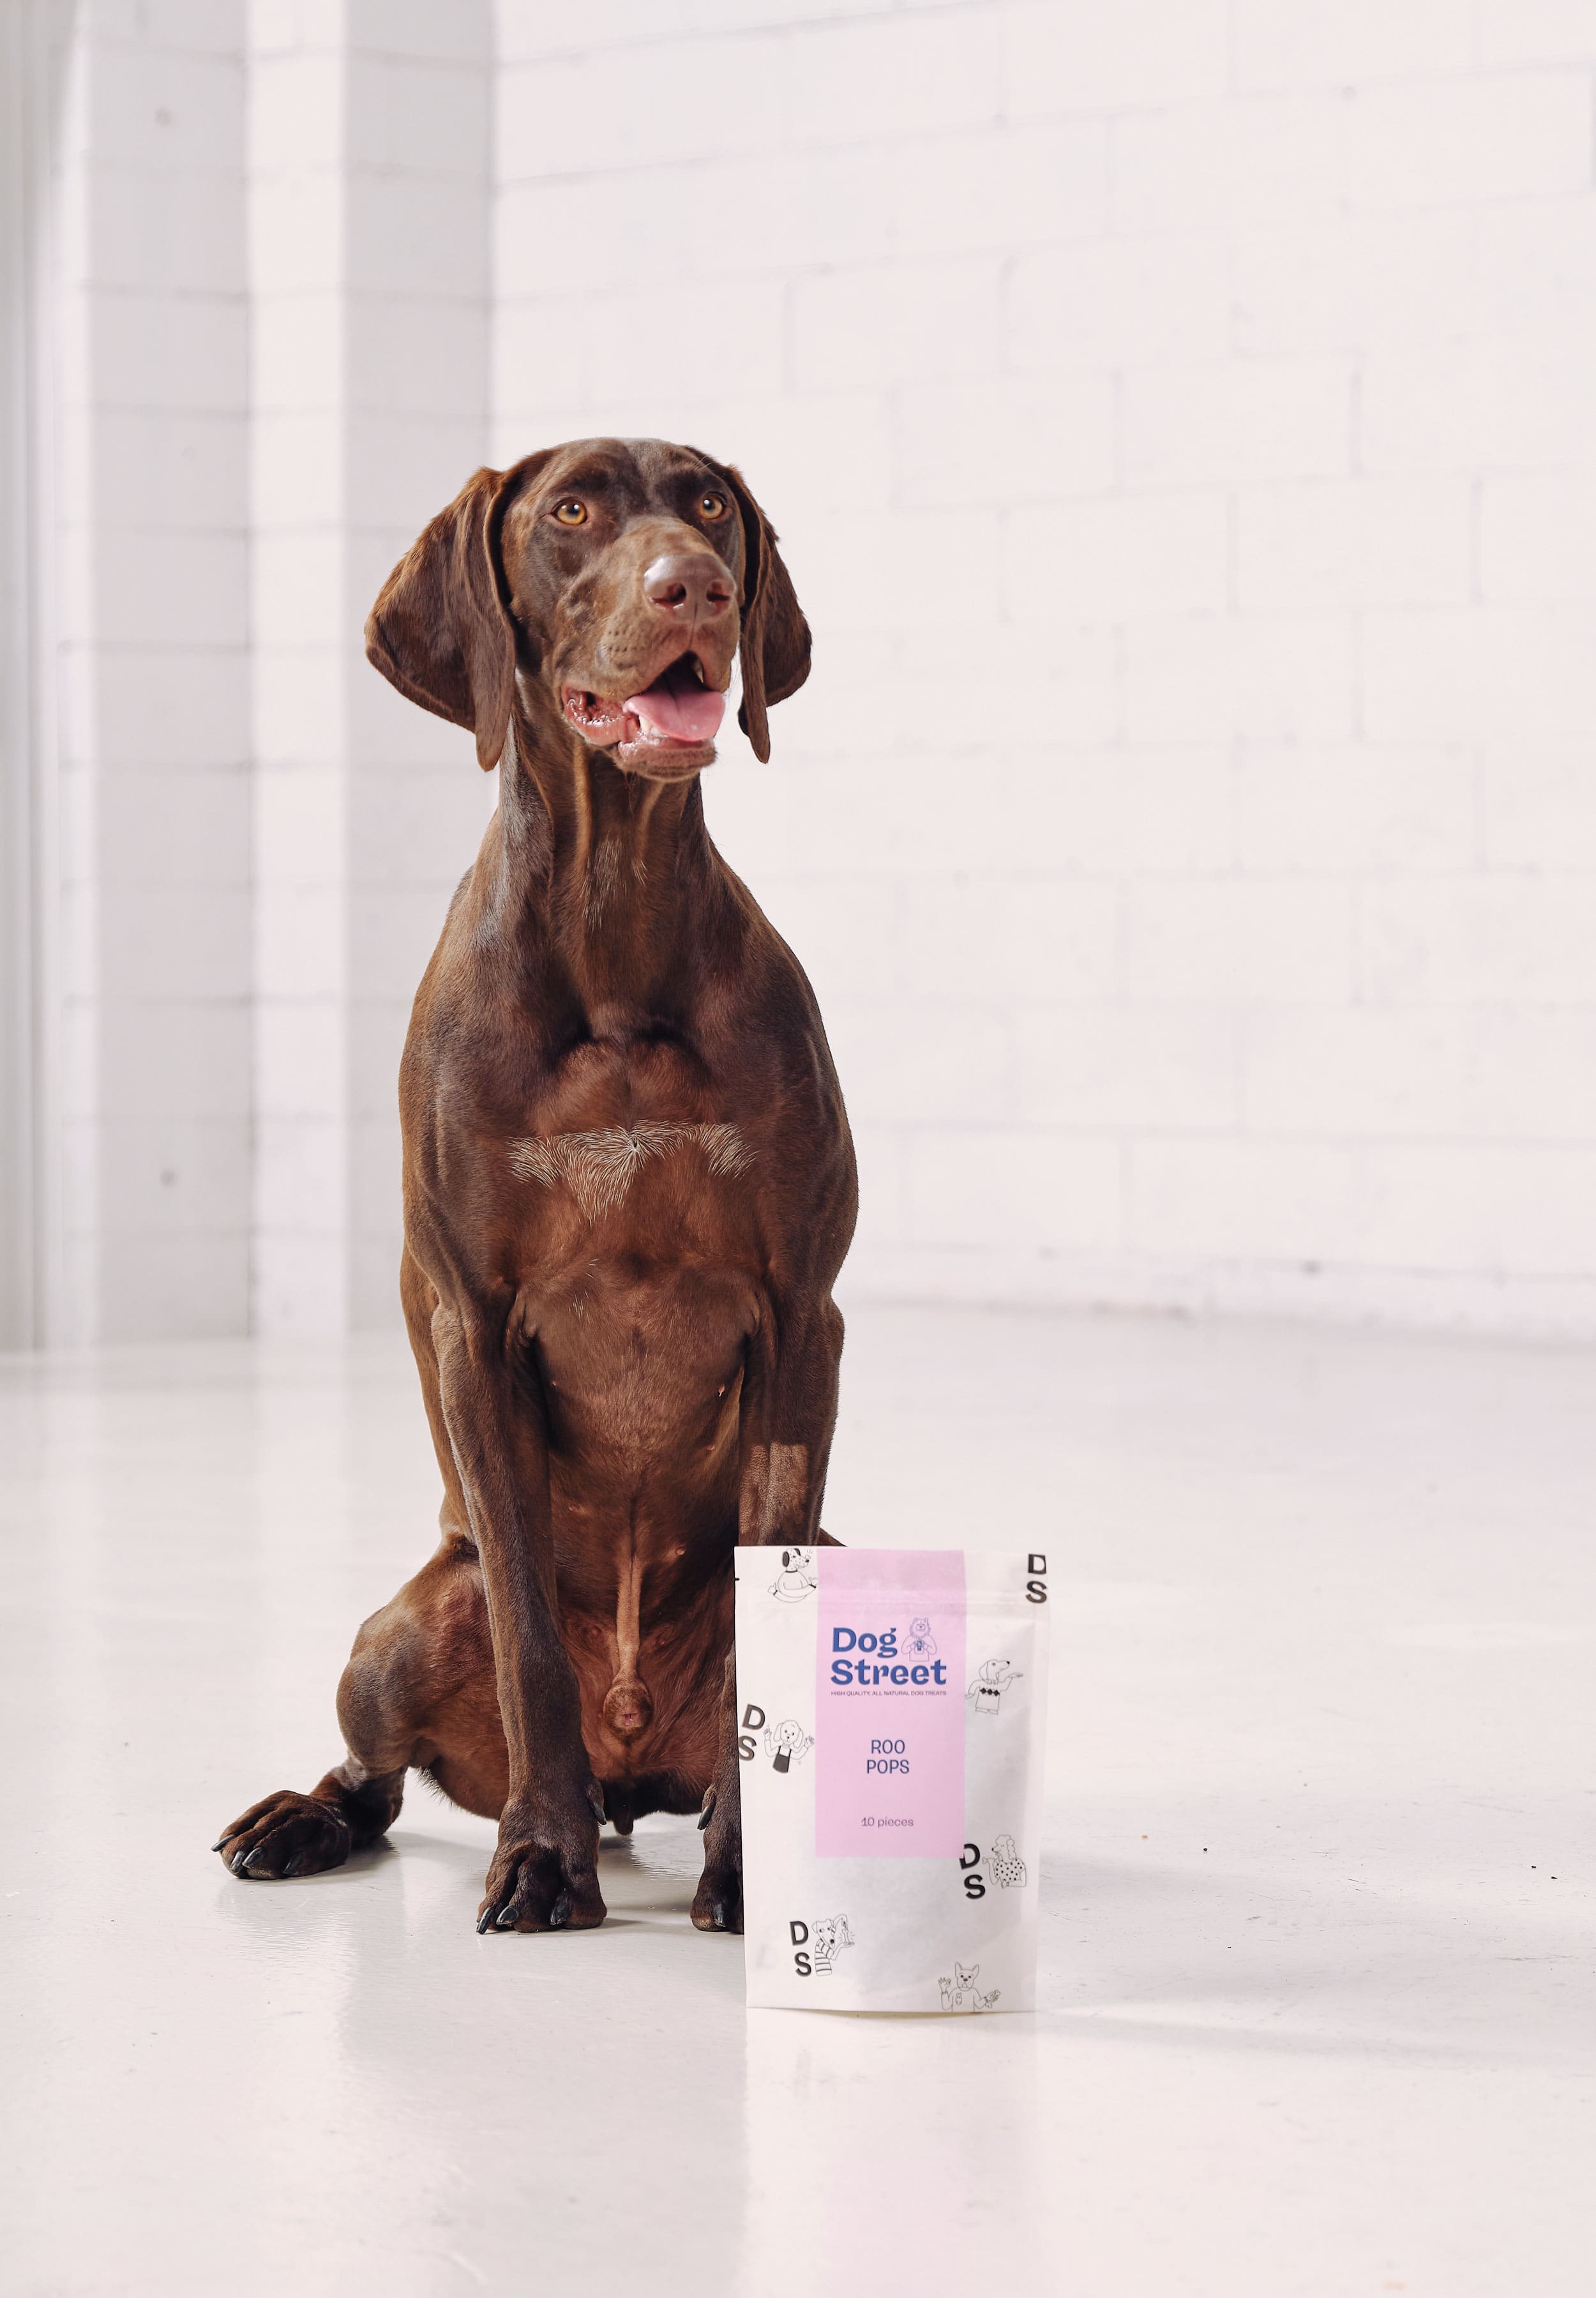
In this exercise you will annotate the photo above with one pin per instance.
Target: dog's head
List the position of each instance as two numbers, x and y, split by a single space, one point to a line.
621 577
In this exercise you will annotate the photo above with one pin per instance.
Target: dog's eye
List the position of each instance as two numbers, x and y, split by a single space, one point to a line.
571 513
712 506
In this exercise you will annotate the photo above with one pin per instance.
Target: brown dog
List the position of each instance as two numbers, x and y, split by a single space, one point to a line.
628 1188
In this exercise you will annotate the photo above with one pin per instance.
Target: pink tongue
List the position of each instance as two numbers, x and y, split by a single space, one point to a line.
678 706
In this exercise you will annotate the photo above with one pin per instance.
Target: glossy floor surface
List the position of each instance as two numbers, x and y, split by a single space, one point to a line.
1317 2015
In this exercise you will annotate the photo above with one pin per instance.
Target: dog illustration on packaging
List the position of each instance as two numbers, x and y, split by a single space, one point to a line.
989 1683
920 1643
788 1744
831 1938
961 1993
796 1579
1008 1869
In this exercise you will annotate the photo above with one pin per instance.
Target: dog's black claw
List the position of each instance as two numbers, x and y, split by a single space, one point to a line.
560 1913
486 1921
718 1913
706 1809
221 1843
258 1852
296 1864
595 1800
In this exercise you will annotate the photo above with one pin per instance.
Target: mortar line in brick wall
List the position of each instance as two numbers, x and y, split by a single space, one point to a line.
1375 1140
115 291
415 59
197 173
784 30
995 132
359 299
399 171
180 650
230 67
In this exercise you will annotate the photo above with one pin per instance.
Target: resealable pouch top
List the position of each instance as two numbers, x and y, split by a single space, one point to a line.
891 1717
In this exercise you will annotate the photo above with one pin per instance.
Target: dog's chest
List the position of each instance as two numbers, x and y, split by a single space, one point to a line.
599 1168
635 1206
641 1364
625 1145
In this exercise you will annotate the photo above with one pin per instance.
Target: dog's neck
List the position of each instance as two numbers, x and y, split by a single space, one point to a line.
613 869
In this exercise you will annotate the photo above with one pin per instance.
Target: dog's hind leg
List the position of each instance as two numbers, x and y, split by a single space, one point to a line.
418 1690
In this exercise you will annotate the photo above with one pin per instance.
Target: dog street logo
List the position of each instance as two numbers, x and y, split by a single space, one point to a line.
796 1579
816 1953
785 1744
881 1661
920 1643
1036 1585
991 1679
961 1993
1005 1867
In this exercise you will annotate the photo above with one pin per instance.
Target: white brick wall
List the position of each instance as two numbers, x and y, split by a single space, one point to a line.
1178 416
273 322
153 1033
370 198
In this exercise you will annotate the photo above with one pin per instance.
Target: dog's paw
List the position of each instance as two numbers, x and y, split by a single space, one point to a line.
285 1834
717 1902
544 1876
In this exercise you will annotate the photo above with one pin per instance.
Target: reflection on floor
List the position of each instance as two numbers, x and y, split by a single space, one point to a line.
1317 2013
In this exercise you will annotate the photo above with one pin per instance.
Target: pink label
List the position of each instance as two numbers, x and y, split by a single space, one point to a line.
889 1704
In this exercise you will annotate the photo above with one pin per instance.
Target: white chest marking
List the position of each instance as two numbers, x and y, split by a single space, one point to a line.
599 1167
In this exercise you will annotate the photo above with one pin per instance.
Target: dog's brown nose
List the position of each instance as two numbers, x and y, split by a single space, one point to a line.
688 585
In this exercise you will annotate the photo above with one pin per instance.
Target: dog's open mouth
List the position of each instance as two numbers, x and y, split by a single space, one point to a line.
670 723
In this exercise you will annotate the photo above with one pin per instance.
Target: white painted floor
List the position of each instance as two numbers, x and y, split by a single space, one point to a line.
1317 1947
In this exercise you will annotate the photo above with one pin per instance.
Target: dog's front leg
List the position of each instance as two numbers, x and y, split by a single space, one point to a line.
544 1872
788 1414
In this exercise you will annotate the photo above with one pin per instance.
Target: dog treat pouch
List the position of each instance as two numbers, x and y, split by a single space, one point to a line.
891 1710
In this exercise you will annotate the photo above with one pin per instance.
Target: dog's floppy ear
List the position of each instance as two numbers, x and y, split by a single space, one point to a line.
440 631
774 647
